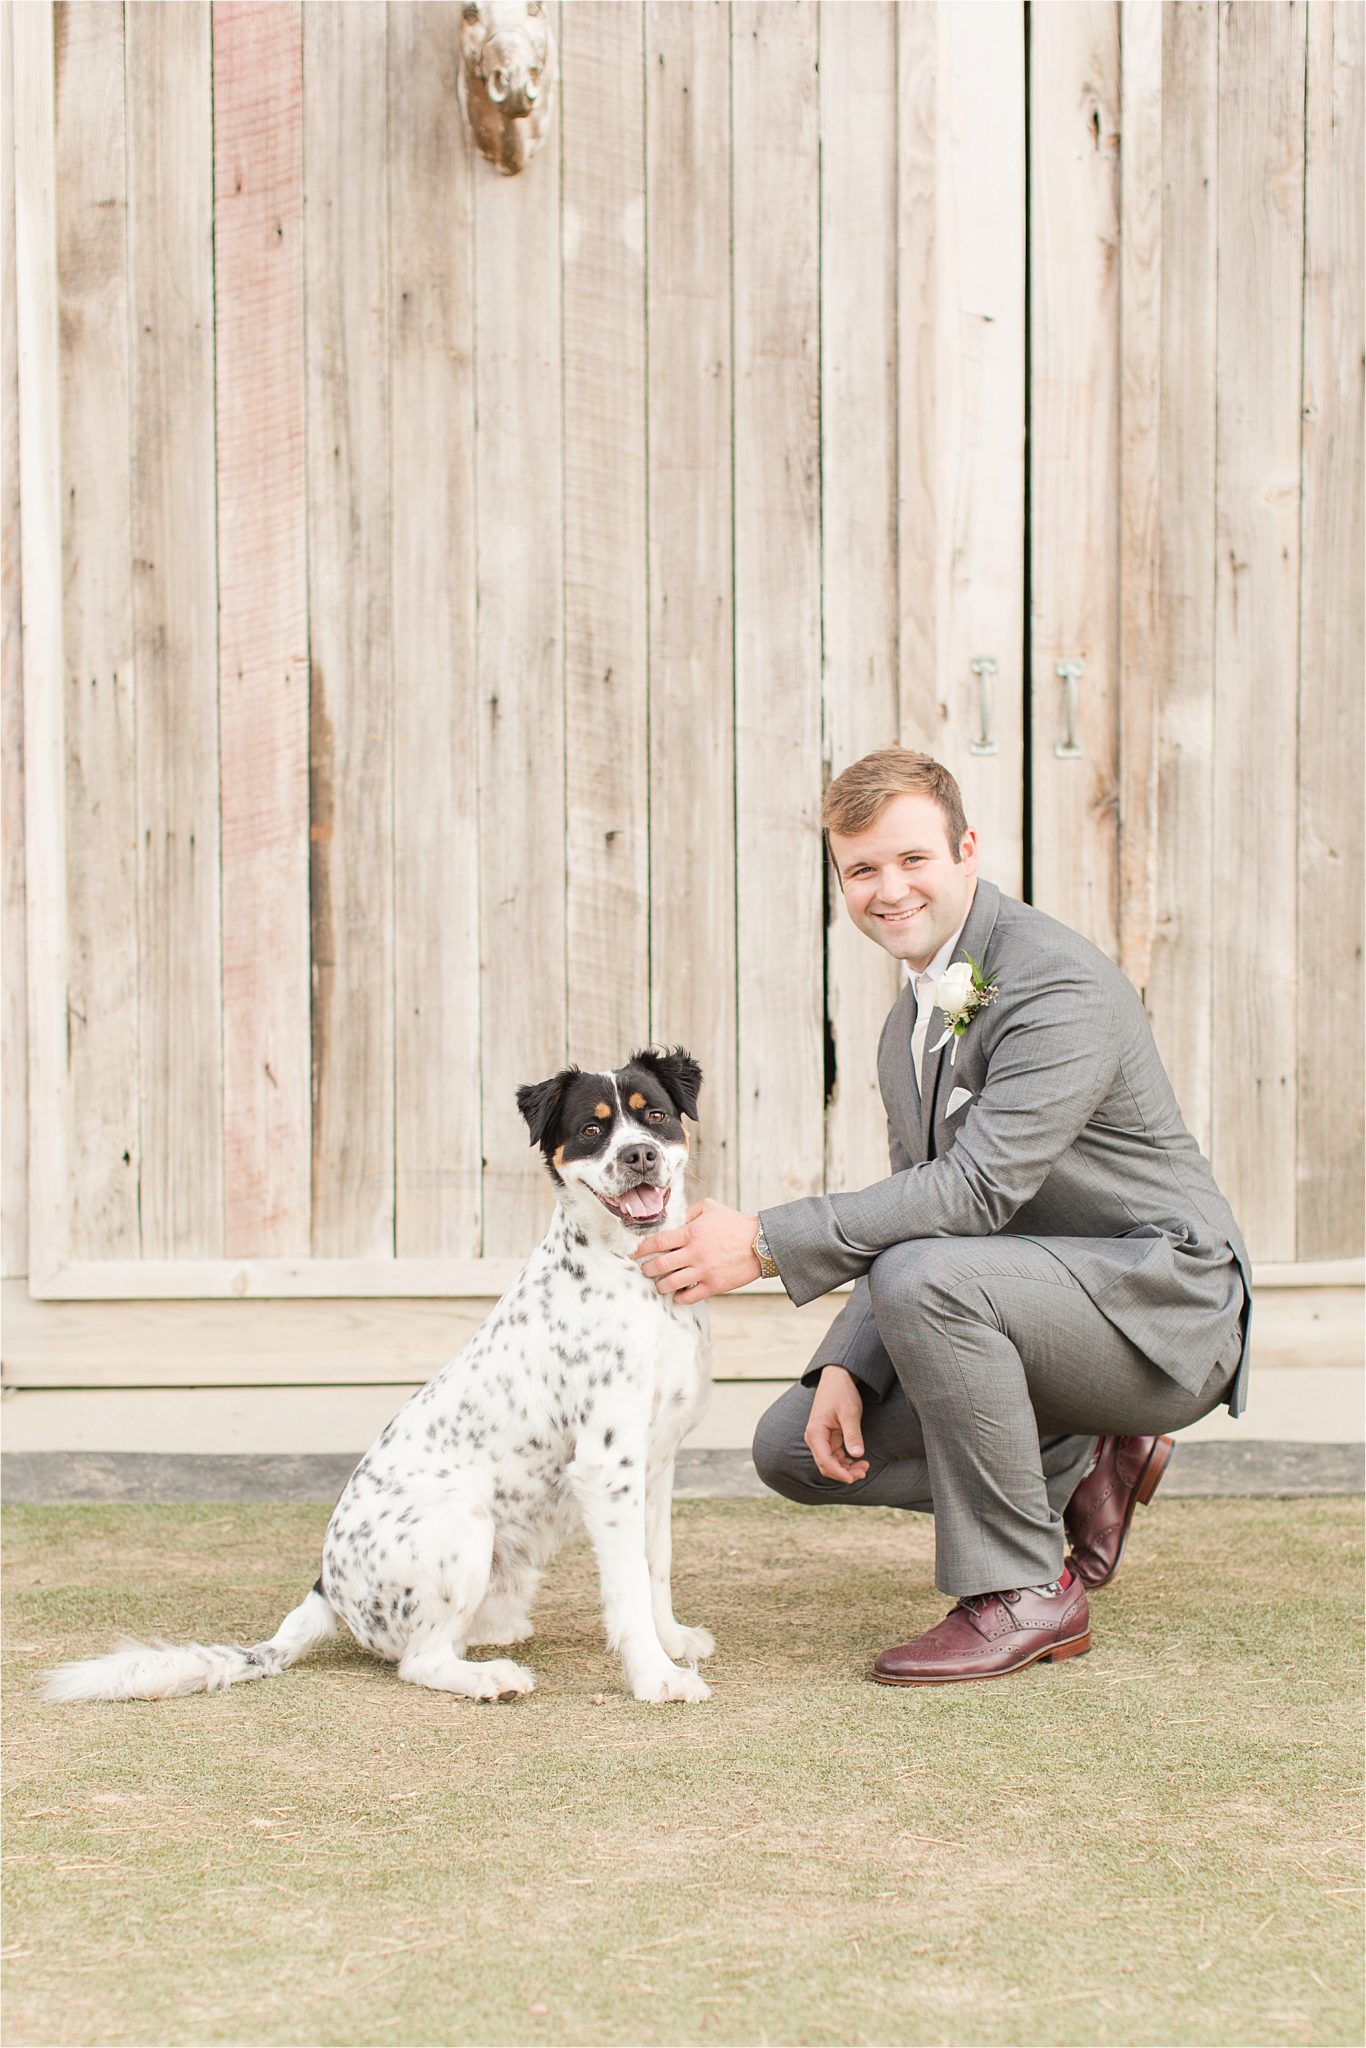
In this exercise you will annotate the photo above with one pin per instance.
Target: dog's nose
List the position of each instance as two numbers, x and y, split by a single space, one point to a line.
640 1158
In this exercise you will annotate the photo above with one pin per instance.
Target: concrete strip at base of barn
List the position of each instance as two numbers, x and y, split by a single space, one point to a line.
1276 1471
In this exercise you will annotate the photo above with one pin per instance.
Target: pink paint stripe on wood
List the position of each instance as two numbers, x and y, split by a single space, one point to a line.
263 630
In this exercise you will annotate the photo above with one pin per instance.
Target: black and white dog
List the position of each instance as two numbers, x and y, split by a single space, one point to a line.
569 1403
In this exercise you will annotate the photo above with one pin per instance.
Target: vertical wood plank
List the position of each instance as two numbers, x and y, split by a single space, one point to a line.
13 931
981 416
521 673
1141 673
775 256
961 404
692 740
175 599
1074 413
1178 986
1257 489
263 624
1332 648
37 326
921 569
858 522
346 278
101 847
605 621
436 725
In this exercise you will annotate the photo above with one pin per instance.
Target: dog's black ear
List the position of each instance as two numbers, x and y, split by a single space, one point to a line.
539 1102
676 1071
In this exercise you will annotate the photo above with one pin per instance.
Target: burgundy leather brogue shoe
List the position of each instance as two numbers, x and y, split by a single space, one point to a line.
1127 1471
988 1635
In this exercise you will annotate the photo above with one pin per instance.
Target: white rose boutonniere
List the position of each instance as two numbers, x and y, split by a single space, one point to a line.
964 990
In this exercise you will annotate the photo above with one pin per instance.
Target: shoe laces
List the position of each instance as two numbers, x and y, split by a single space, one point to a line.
973 1603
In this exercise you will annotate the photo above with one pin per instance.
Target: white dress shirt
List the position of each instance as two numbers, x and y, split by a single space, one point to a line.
922 980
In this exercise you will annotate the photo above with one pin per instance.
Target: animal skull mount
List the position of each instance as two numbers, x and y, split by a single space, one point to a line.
507 78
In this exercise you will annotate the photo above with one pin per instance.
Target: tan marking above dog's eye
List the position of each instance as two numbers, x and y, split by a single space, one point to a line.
602 1109
637 1100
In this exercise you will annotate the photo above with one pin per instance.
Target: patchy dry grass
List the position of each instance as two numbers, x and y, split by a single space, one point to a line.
1156 1843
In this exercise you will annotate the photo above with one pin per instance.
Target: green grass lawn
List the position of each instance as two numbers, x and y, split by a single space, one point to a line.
1157 1843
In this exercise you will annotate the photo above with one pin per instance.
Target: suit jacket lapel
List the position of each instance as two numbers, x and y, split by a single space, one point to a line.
972 940
894 1073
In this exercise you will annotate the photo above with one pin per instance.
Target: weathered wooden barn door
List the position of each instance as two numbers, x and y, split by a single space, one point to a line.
933 373
510 561
446 594
1195 564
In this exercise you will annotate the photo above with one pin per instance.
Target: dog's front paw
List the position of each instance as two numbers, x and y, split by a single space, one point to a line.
689 1645
672 1684
501 1679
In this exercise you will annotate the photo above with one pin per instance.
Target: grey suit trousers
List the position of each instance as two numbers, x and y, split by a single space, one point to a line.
1008 1374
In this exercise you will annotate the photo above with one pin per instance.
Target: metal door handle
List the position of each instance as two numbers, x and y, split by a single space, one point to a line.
1071 673
984 668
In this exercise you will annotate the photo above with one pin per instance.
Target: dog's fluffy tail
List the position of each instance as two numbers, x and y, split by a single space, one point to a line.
160 1671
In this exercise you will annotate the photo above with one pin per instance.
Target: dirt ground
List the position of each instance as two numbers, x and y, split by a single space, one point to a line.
1159 1842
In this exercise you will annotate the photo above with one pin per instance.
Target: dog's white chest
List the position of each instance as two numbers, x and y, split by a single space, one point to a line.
679 1387
657 1357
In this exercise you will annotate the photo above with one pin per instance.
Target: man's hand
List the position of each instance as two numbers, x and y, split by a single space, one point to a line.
834 1429
710 1254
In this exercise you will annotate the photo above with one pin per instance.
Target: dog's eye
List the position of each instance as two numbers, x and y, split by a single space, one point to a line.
654 1116
591 1131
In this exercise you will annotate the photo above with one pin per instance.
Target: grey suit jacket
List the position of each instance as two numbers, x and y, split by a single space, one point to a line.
1072 1135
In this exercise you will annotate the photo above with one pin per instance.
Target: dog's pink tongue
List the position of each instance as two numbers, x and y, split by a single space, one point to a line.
643 1201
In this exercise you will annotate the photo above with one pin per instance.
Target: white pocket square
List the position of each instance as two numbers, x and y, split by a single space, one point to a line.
957 1099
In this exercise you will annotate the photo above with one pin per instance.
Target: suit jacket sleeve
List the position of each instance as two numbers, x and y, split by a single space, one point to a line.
852 1339
1051 1051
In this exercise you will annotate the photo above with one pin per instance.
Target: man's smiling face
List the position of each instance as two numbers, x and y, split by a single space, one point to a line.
901 883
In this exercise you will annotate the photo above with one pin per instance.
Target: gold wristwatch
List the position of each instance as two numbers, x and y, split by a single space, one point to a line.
768 1265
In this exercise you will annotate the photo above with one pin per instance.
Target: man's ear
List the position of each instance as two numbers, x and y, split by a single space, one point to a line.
539 1102
677 1073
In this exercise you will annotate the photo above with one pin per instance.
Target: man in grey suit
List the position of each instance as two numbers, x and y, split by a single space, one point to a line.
1048 1280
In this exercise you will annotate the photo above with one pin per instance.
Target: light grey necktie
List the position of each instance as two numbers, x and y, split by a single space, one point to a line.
924 1008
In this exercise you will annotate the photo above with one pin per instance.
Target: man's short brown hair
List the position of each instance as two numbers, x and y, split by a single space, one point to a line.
858 796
